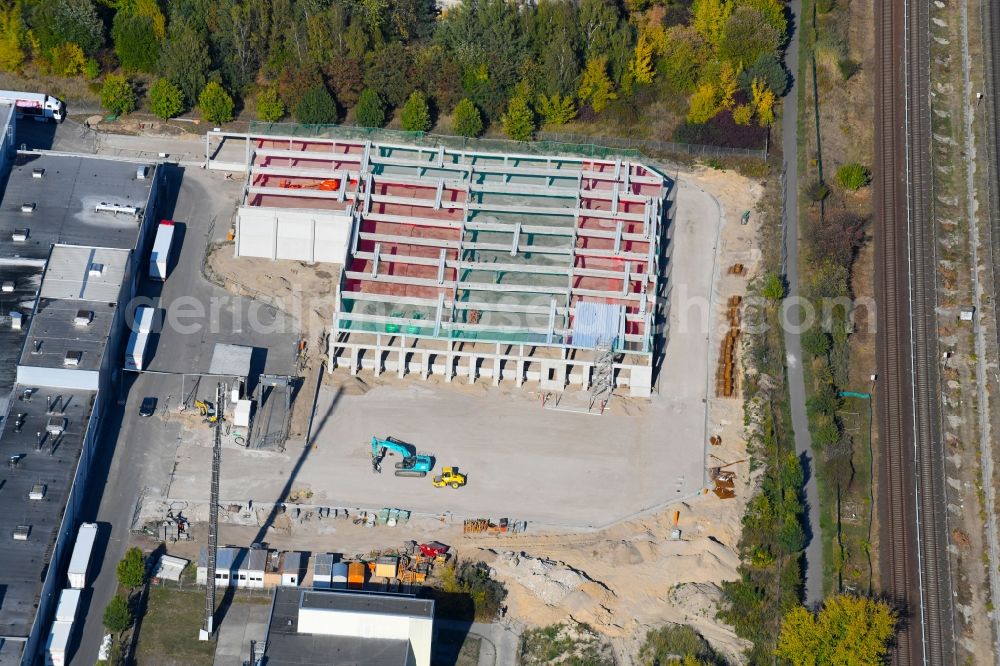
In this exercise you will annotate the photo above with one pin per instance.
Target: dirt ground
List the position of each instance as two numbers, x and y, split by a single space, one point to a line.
622 580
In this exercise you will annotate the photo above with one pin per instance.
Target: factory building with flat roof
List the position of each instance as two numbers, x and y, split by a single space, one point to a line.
73 235
344 628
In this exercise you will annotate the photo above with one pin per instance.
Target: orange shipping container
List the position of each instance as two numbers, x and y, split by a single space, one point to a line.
355 575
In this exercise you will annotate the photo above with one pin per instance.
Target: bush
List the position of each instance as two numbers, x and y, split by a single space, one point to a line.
68 60
467 122
270 109
666 644
131 570
117 616
165 99
816 342
91 69
370 111
117 95
853 176
848 68
416 115
519 120
722 130
215 104
817 191
317 107
472 580
567 644
774 287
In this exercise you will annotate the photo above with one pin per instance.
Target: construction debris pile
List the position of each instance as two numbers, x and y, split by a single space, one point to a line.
504 526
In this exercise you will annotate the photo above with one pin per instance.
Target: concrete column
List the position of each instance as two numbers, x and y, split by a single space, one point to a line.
378 356
472 369
425 371
401 367
496 367
585 376
354 361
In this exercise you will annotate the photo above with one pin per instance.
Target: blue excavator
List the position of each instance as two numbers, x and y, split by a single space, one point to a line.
412 463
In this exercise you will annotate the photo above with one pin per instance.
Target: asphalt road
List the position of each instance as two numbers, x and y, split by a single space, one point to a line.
136 454
793 348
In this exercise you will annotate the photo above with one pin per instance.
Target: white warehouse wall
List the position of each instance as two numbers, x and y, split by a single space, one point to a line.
300 235
357 625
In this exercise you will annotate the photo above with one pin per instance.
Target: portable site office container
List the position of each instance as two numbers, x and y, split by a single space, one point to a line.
139 339
159 258
82 552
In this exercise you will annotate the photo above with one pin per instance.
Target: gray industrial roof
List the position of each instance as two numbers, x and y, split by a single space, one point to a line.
65 198
53 334
323 564
85 273
292 561
27 278
285 646
232 360
54 465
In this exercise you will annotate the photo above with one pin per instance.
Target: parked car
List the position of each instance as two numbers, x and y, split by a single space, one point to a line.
147 407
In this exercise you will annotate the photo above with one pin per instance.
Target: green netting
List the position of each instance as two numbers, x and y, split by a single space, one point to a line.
380 135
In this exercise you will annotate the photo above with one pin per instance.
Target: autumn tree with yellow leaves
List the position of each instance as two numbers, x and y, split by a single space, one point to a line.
847 630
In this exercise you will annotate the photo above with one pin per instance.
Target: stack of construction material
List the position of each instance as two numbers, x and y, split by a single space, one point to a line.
726 377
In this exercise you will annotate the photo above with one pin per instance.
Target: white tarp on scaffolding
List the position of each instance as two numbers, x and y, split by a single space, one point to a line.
276 233
596 324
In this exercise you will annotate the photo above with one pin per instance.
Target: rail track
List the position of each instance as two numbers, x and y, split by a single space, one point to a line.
913 506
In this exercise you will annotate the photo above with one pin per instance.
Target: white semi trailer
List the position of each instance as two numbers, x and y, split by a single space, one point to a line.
82 551
160 256
135 353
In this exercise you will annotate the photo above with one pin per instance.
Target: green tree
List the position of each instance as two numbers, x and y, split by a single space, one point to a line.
215 104
386 71
853 176
596 88
61 21
270 109
131 569
848 630
416 115
136 44
165 99
13 37
684 55
556 109
370 111
184 60
467 121
519 121
68 60
117 95
117 616
317 107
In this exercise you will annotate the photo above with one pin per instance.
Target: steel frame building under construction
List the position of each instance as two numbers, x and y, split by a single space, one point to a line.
515 267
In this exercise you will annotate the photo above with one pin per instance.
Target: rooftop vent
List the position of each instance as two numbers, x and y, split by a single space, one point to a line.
96 270
19 235
73 358
7 286
28 207
105 207
21 532
36 348
37 492
83 318
56 426
141 173
37 173
16 320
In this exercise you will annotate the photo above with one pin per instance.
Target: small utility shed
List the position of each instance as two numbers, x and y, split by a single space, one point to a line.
292 568
323 571
231 360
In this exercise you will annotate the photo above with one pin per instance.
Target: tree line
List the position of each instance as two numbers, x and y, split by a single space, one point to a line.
484 62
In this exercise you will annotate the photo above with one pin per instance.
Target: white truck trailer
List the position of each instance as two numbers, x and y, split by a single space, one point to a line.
39 106
82 550
55 648
160 256
142 326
